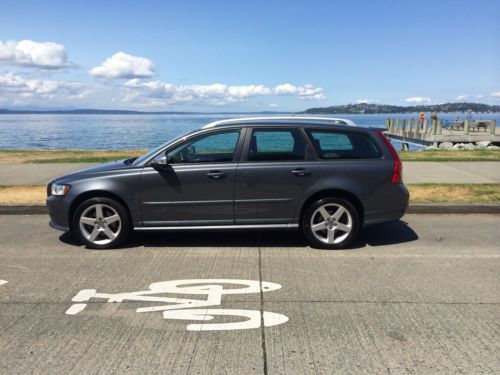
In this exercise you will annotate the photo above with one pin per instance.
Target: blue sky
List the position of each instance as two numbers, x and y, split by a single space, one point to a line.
247 55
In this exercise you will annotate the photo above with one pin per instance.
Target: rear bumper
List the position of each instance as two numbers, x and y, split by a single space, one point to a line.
384 217
397 204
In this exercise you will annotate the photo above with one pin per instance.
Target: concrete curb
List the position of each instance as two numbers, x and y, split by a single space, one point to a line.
450 208
23 210
422 208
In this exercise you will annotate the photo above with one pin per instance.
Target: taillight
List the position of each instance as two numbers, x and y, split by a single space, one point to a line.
397 173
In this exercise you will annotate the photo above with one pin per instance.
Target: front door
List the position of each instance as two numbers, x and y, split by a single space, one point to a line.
274 174
196 188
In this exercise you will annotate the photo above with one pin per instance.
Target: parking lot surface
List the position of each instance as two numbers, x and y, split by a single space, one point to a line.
415 297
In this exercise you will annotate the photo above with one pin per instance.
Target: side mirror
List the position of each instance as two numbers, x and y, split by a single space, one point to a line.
159 162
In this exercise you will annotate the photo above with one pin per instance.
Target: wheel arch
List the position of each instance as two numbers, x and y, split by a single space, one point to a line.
95 194
333 193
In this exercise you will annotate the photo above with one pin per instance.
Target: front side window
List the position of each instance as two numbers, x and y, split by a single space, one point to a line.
210 148
331 144
277 145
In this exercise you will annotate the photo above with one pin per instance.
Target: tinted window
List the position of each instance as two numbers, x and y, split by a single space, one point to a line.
212 148
337 145
276 145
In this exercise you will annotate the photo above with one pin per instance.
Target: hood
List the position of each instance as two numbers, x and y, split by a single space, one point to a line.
95 170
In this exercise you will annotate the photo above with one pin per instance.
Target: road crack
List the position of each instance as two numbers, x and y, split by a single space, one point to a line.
262 327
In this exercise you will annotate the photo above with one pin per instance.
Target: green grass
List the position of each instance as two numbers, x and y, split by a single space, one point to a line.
98 156
454 193
65 156
448 155
82 159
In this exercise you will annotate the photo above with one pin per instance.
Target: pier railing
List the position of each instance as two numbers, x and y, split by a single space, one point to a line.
434 132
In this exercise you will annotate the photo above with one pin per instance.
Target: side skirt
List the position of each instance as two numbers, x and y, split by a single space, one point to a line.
219 227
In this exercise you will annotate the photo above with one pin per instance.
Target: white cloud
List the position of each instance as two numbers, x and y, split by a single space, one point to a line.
215 94
122 65
10 80
367 101
274 105
285 89
303 92
463 97
156 87
48 55
248 91
496 94
417 99
14 88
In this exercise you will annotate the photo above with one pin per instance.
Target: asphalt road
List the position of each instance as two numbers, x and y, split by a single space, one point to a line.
421 297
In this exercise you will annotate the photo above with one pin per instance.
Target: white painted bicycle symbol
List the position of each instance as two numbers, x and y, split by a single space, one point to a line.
193 309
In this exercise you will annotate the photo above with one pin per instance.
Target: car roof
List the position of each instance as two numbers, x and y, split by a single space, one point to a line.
282 120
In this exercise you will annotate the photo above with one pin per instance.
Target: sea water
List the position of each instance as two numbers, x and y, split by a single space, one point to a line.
125 132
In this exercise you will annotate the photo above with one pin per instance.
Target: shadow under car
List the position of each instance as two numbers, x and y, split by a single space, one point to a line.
376 235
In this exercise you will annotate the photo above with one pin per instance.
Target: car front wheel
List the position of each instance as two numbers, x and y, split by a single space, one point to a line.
101 223
331 223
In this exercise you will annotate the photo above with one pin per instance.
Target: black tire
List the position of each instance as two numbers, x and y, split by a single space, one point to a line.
350 218
121 228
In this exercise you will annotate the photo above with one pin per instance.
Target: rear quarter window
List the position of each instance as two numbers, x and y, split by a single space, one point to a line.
330 144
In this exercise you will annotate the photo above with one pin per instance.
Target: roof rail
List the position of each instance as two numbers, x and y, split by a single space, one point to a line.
333 120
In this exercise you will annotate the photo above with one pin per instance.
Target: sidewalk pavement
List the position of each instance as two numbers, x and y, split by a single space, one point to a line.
470 172
413 172
36 174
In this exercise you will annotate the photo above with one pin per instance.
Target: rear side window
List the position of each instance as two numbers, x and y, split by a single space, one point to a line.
331 144
277 145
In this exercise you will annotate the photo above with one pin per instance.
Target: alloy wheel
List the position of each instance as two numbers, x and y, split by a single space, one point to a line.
100 224
331 223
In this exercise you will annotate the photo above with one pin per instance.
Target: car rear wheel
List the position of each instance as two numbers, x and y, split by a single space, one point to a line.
101 223
331 223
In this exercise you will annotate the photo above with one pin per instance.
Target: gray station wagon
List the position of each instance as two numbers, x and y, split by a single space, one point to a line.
323 175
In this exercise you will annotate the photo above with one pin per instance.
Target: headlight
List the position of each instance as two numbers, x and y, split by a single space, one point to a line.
59 189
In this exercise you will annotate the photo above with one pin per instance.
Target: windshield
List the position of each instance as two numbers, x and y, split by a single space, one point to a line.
151 153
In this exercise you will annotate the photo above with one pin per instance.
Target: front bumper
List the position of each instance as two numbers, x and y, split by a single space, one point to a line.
59 207
58 227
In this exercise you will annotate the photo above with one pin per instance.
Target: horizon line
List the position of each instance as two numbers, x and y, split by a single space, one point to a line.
6 110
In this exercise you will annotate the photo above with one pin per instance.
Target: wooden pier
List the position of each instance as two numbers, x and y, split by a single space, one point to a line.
432 133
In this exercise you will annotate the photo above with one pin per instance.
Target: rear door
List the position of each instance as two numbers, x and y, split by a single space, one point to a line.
275 171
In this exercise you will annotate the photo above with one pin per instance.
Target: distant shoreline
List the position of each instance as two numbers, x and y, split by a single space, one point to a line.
113 112
4 111
346 109
374 109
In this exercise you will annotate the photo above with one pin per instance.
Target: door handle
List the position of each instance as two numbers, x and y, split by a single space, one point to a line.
301 172
216 175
